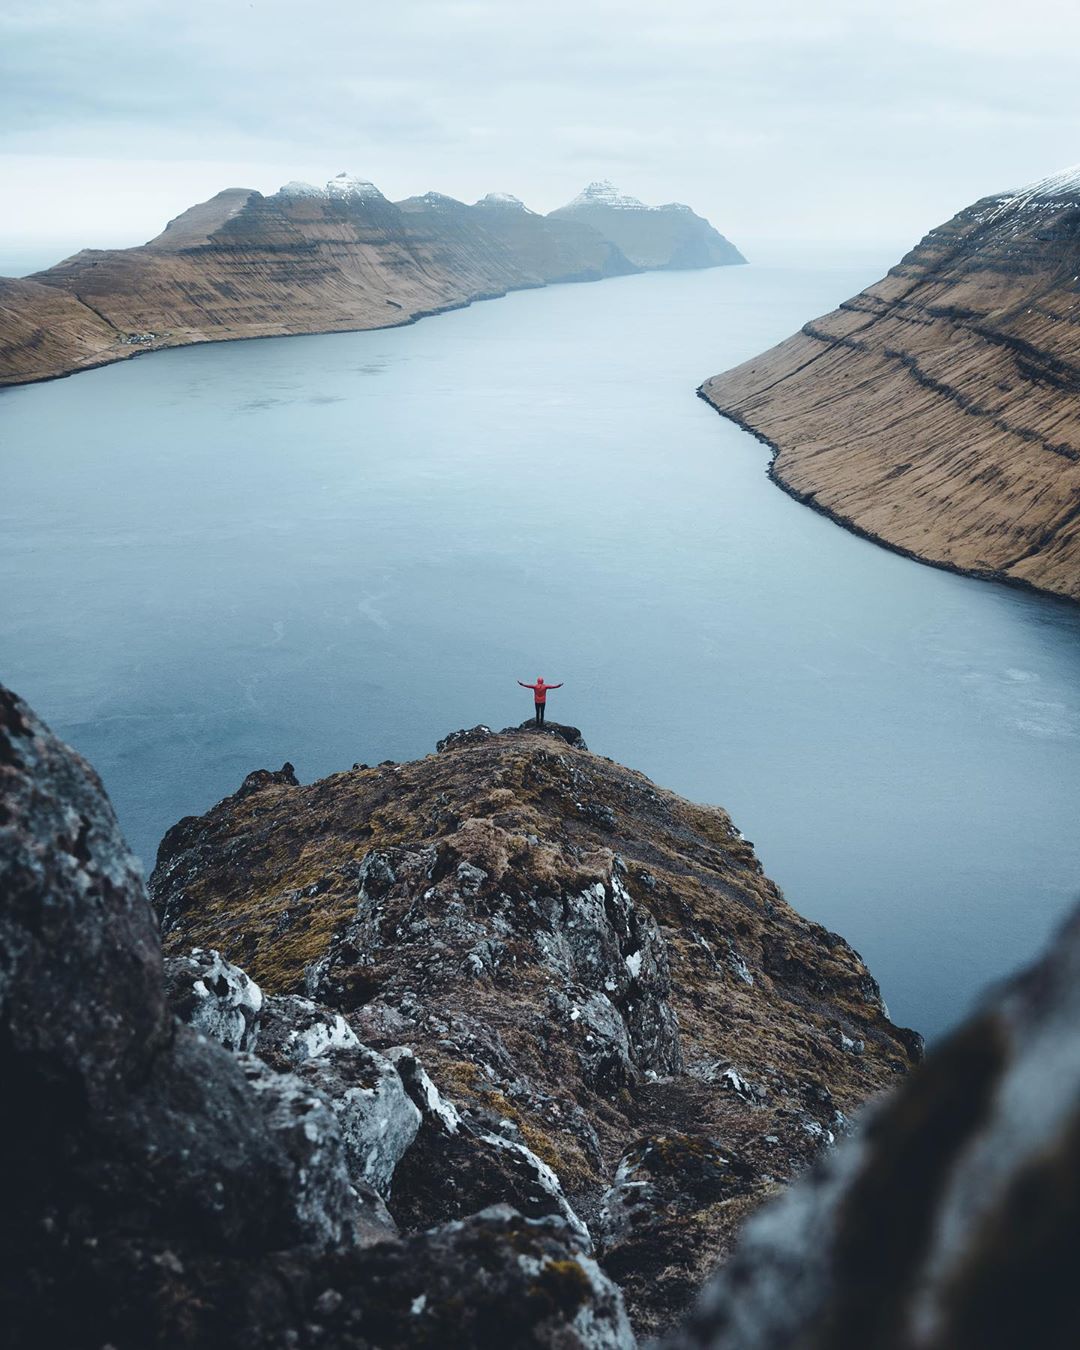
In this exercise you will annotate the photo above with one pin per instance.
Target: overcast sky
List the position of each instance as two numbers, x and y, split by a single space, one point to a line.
844 120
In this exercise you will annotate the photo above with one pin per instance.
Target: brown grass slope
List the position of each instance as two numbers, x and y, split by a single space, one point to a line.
938 411
242 265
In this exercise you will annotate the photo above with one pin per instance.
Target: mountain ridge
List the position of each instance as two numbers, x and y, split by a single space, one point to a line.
938 411
302 260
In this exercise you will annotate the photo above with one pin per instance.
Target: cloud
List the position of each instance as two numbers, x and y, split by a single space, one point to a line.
829 119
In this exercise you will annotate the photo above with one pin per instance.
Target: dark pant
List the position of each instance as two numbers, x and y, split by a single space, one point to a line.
539 714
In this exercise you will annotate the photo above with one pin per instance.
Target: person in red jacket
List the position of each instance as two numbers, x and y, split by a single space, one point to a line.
540 690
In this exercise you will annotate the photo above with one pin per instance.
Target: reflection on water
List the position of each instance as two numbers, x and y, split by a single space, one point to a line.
228 556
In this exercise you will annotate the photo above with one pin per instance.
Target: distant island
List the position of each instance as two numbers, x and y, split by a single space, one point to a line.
938 412
330 259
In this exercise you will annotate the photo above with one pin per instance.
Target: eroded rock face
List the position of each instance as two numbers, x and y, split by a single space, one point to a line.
585 986
939 411
949 1221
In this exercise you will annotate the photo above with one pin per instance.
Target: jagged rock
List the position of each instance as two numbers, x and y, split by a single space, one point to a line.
215 997
375 1118
670 1194
457 740
81 996
571 735
494 1279
937 411
948 1221
263 778
456 1166
575 960
331 1208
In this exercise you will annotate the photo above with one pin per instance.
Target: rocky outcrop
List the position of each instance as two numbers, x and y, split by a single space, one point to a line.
949 1220
304 260
668 237
162 1189
598 1008
938 411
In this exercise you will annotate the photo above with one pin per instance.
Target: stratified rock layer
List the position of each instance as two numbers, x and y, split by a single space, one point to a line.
304 260
602 1010
949 1221
939 411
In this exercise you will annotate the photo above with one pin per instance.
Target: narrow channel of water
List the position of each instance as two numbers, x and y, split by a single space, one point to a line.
331 549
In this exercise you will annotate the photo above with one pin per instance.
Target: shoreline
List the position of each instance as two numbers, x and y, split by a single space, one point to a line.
131 353
809 499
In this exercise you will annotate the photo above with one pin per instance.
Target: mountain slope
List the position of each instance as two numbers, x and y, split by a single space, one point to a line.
670 236
304 260
939 410
580 960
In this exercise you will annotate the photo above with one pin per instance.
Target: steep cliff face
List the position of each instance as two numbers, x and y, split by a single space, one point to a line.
304 260
939 410
670 236
245 265
604 1010
554 247
45 330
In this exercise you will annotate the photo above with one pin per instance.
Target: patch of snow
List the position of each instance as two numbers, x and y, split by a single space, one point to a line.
505 199
605 193
633 964
296 188
350 185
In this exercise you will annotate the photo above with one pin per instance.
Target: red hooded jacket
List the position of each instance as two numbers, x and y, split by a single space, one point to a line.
539 689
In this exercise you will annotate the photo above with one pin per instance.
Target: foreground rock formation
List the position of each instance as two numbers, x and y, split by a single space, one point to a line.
482 1086
517 1028
949 1221
670 236
939 411
312 260
610 1014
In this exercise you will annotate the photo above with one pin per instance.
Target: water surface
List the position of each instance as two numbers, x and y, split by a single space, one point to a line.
330 549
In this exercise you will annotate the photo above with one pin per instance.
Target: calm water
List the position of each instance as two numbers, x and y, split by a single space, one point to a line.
330 549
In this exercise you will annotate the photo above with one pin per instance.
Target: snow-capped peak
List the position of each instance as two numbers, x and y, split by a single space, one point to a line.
1053 188
604 193
296 188
504 199
349 185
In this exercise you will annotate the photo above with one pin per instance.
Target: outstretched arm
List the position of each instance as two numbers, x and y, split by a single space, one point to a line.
556 686
526 686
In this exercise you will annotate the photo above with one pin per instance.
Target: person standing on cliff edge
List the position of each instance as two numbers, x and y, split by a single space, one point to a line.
540 690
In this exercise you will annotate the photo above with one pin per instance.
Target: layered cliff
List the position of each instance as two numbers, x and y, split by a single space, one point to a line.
670 236
939 411
303 260
520 1039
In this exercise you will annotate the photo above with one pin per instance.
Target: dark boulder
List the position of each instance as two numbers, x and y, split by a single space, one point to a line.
949 1220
